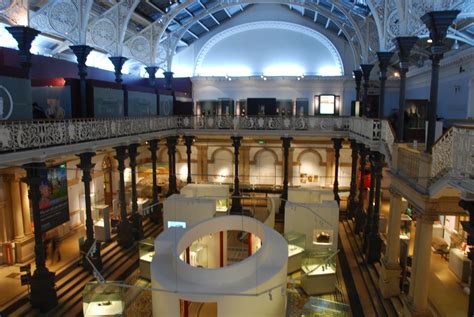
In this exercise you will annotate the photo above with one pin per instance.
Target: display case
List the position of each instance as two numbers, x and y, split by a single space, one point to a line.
296 243
322 307
323 236
102 222
319 270
103 299
146 249
222 205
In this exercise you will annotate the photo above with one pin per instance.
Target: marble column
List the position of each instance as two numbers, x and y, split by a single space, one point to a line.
366 69
236 207
374 246
337 155
25 206
42 292
405 45
389 280
124 231
370 204
352 200
17 213
86 167
153 147
188 141
171 142
468 226
437 22
286 143
384 61
417 301
360 216
81 52
136 218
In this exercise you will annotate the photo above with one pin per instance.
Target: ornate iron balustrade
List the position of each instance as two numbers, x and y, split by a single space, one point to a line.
29 135
453 155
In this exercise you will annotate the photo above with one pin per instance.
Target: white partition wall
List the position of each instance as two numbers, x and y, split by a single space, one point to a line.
220 193
309 195
319 222
188 210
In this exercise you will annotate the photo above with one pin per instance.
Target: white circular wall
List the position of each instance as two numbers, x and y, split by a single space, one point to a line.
269 48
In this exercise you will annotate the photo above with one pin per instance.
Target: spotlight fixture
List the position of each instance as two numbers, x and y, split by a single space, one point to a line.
264 78
429 41
230 79
270 295
299 78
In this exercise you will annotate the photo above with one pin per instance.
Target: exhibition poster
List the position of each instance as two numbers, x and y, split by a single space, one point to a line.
53 204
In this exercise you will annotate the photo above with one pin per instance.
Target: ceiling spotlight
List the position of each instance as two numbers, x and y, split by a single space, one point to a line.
456 45
261 76
264 78
230 79
429 41
299 78
302 76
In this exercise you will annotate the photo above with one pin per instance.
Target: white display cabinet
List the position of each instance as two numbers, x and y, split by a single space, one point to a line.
310 195
319 273
146 249
103 300
178 209
102 222
220 193
296 245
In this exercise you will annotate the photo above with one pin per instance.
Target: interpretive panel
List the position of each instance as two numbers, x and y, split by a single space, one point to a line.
166 105
108 102
15 99
55 102
141 103
53 204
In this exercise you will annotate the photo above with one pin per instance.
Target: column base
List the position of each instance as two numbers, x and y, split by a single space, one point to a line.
374 248
43 294
360 218
137 224
389 280
25 248
125 234
410 311
95 257
351 208
156 216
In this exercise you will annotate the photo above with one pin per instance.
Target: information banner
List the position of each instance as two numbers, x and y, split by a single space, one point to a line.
53 205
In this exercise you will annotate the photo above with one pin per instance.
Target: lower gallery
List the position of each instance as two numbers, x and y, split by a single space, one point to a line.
236 158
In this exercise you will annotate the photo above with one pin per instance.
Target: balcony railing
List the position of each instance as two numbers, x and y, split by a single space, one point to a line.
453 155
27 135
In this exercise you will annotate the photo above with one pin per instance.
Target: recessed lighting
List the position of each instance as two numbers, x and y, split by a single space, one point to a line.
429 41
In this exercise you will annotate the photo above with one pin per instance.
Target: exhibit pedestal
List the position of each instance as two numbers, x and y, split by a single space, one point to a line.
389 280
294 261
319 282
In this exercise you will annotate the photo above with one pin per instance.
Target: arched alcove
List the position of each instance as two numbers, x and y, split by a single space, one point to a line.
265 168
271 48
308 169
221 167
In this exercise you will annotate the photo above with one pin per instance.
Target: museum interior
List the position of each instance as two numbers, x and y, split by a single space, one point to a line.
227 158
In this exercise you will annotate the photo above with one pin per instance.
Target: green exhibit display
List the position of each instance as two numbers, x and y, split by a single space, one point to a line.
108 103
15 99
141 104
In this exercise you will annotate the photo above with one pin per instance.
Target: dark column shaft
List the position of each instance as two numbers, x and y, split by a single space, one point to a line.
352 200
469 228
375 242
370 207
43 295
153 148
236 203
360 214
132 154
86 166
384 62
286 143
366 69
188 141
337 155
171 142
125 234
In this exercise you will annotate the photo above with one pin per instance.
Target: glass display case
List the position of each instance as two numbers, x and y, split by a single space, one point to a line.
103 299
146 251
296 245
319 270
316 307
222 205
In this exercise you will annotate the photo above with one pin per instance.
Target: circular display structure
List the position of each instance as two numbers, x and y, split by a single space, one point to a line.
255 286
